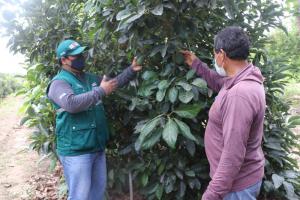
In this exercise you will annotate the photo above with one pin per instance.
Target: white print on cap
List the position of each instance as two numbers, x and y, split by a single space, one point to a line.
73 45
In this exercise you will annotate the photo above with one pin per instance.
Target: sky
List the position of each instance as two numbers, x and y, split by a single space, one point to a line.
9 63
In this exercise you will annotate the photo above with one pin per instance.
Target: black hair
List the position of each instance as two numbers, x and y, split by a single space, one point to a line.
234 42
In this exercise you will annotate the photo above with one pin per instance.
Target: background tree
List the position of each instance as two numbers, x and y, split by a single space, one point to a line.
158 121
284 43
8 85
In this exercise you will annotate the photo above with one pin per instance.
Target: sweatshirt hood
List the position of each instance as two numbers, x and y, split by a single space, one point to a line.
250 73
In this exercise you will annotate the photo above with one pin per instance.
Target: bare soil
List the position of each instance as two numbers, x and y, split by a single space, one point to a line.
22 176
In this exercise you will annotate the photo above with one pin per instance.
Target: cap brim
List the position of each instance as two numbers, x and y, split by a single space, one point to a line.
77 51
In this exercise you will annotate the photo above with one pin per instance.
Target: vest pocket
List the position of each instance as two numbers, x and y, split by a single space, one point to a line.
84 134
62 140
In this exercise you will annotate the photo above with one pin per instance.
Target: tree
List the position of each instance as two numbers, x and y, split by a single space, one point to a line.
284 44
8 84
158 121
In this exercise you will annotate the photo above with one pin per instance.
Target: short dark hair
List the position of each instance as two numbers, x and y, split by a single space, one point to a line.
234 41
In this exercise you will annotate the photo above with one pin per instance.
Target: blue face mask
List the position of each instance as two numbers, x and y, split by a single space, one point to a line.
78 63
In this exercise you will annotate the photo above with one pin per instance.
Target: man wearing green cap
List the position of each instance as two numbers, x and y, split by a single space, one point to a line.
81 127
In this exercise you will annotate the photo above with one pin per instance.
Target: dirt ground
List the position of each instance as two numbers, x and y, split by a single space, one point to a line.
19 166
21 175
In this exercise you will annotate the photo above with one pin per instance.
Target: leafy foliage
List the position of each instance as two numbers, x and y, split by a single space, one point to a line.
283 44
285 47
280 143
8 84
158 121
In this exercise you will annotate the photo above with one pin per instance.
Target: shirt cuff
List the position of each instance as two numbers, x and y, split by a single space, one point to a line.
100 91
195 63
208 195
131 72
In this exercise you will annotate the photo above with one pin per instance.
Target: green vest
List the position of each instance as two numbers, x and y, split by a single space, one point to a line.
83 132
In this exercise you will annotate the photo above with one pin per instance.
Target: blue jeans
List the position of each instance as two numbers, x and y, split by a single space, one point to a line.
85 176
249 193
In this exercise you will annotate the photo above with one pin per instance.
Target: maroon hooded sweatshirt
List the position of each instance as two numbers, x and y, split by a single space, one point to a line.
234 131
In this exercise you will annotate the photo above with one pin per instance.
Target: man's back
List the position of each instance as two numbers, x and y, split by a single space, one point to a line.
234 132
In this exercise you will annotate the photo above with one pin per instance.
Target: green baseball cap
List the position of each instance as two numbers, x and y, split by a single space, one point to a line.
69 48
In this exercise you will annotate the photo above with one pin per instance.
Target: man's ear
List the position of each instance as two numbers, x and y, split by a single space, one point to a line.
224 56
63 60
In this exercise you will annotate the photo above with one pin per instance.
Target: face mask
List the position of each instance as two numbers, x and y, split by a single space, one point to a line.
78 63
220 70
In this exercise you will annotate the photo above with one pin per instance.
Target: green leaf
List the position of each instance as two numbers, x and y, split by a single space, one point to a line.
123 39
292 118
289 188
161 168
179 58
155 50
158 10
173 93
277 180
294 121
169 184
160 95
291 174
53 163
273 145
170 133
147 75
190 74
182 189
185 130
133 18
190 173
191 147
199 82
140 60
144 179
145 131
149 126
123 14
163 84
185 86
150 142
146 90
140 13
194 183
268 186
43 129
179 174
24 120
152 188
159 192
185 96
164 50
209 92
189 111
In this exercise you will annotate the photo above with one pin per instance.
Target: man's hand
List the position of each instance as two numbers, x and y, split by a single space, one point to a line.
108 85
135 66
189 57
